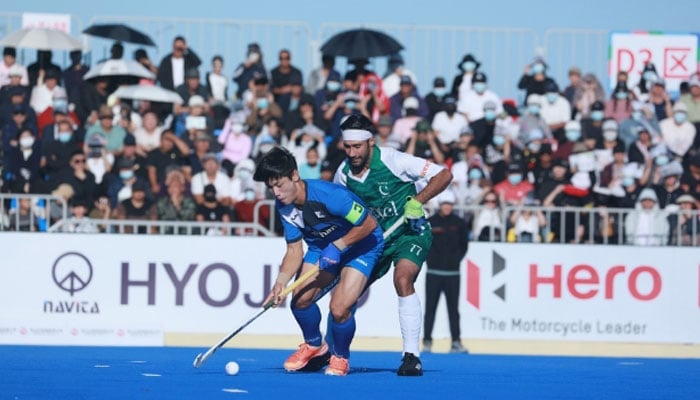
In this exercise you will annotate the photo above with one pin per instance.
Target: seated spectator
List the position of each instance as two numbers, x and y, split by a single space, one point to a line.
78 177
424 144
138 207
586 95
148 135
100 212
384 136
677 132
271 135
668 187
21 170
448 125
435 100
112 135
660 100
26 216
56 154
496 156
262 106
535 79
407 89
311 167
527 224
531 121
172 153
471 103
43 94
611 177
130 154
211 175
647 225
305 138
690 180
63 195
99 161
487 221
192 87
555 111
685 223
242 179
210 209
244 211
493 122
237 145
176 205
640 118
514 189
79 222
619 106
558 176
121 187
404 125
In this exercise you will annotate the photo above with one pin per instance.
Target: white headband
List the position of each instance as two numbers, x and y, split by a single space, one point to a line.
356 134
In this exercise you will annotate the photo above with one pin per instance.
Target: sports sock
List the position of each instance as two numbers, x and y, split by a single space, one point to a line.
342 336
309 320
410 317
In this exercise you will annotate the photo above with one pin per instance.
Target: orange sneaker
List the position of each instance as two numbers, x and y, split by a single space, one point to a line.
301 357
338 366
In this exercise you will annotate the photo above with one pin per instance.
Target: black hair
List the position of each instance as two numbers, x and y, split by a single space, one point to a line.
117 51
276 163
179 38
358 121
217 57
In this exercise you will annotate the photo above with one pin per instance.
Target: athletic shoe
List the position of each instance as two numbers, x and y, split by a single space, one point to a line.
410 366
458 348
338 366
427 345
317 363
301 357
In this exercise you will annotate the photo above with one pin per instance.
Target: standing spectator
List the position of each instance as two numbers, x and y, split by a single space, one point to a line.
9 60
73 77
450 242
36 71
462 83
172 68
590 92
436 98
319 77
535 79
677 132
692 101
43 94
660 100
141 57
192 86
574 84
93 94
647 224
646 82
248 69
216 82
395 70
619 106
282 77
211 175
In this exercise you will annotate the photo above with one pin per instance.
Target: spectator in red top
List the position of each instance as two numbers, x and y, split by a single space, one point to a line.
514 189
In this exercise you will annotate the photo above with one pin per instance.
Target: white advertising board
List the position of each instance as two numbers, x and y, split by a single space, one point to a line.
674 55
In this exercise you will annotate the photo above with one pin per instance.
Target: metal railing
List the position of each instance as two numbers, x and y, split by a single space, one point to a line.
31 212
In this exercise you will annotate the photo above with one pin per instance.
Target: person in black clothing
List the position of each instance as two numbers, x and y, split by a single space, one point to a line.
535 79
436 99
211 210
450 233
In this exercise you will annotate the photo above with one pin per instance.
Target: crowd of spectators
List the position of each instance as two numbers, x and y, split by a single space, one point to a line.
568 144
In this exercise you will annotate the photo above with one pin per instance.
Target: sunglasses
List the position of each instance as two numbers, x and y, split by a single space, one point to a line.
79 161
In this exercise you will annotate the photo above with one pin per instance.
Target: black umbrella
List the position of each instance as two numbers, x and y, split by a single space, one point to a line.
360 44
119 32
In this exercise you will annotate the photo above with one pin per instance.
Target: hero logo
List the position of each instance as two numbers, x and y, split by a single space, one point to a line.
582 281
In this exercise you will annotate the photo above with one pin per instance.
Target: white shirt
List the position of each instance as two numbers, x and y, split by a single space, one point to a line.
472 104
678 138
557 112
148 140
221 181
465 86
392 83
448 129
217 84
96 165
178 71
5 70
42 97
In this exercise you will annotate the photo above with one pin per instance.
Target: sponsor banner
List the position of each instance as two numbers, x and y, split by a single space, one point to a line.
582 293
675 56
59 22
129 289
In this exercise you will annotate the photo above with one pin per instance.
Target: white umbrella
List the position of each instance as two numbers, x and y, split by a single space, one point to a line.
119 67
148 92
41 39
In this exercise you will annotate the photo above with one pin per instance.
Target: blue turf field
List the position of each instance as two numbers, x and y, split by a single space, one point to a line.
37 372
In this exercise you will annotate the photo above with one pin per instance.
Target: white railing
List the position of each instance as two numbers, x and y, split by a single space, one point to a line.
31 212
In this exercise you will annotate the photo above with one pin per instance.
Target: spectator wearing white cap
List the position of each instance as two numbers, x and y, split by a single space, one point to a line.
692 99
471 103
659 100
677 132
403 126
647 224
9 61
667 186
685 223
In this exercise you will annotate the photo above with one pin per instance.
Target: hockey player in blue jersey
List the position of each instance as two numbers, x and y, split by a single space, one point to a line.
343 238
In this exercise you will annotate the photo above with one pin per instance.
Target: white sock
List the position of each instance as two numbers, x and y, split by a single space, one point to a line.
410 319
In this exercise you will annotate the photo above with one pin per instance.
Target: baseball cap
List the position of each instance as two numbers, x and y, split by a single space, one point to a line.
479 77
423 126
196 101
406 80
410 102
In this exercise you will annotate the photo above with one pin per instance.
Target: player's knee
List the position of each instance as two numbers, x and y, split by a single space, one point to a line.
302 302
340 313
404 285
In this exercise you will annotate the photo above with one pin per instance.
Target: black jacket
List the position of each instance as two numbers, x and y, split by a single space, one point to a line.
450 242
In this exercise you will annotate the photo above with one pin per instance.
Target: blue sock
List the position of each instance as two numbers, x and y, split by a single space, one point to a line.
309 320
329 328
342 336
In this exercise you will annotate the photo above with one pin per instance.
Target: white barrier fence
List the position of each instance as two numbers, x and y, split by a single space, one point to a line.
131 290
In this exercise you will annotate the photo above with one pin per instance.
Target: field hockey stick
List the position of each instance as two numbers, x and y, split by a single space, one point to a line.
202 357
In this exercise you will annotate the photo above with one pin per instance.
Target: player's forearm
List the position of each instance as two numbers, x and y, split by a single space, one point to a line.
290 263
436 184
357 233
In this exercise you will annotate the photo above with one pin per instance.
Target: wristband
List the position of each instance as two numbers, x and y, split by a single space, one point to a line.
283 278
340 244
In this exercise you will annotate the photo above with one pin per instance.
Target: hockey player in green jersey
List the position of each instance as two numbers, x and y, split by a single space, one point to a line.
385 179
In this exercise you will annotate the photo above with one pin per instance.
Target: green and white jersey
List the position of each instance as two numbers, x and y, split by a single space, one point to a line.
390 179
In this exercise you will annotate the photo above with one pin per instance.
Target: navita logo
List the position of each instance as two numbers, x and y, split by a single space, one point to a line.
498 265
71 272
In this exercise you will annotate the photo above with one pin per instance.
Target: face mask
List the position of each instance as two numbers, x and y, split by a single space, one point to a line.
627 181
609 135
499 140
597 115
573 136
26 142
680 117
469 66
649 76
350 105
249 195
661 160
479 87
552 97
237 128
126 175
621 95
243 174
537 69
60 104
307 145
475 174
263 103
534 147
490 115
440 91
514 179
64 137
333 86
637 115
533 109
